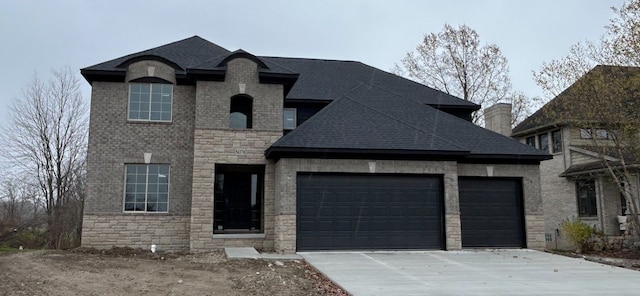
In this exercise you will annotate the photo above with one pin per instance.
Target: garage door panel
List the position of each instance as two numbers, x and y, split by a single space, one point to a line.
369 212
491 212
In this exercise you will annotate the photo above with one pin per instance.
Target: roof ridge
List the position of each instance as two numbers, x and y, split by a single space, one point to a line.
310 59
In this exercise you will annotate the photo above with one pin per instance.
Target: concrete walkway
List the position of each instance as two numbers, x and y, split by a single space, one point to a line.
488 272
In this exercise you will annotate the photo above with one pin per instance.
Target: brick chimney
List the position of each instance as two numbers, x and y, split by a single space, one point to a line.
497 118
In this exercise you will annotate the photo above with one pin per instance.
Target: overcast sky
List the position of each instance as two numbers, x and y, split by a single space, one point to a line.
37 36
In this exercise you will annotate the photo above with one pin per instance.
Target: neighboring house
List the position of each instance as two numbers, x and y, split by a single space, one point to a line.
576 182
194 147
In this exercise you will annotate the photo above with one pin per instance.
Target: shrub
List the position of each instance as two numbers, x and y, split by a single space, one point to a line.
579 233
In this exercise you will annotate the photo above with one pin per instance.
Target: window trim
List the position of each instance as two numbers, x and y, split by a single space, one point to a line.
295 118
124 190
129 119
595 196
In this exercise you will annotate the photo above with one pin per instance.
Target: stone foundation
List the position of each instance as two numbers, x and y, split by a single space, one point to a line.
167 232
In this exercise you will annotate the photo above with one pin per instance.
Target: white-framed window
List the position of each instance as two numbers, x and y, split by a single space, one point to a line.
146 188
150 101
585 133
289 118
599 133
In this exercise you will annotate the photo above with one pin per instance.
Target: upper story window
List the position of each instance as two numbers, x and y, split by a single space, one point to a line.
150 101
146 188
531 141
241 112
599 133
586 191
289 118
556 141
543 139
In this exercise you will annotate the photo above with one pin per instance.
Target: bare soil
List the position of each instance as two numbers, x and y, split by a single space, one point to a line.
125 271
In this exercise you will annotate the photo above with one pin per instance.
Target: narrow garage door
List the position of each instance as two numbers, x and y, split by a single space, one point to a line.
356 212
491 213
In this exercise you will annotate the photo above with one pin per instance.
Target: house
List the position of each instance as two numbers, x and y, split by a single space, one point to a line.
194 147
580 128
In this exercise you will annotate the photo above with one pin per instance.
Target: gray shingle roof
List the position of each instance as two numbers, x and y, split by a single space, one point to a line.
186 53
372 118
318 79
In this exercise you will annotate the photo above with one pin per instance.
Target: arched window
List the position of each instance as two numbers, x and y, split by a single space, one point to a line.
240 115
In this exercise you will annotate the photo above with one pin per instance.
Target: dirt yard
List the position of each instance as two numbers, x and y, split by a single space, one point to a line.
137 272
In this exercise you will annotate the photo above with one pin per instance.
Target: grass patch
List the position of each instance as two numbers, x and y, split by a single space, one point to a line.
4 249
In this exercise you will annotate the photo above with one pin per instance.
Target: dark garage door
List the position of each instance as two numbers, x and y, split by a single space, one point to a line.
491 213
356 212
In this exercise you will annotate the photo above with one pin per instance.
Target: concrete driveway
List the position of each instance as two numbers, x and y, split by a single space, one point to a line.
486 272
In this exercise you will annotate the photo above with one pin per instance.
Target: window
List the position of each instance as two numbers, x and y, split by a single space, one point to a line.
289 118
586 191
543 139
556 141
241 111
601 133
585 133
150 101
146 188
531 141
238 198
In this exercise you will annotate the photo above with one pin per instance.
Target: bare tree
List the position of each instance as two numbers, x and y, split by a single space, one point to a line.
603 97
453 61
47 136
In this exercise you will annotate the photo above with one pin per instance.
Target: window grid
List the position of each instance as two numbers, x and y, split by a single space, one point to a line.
150 101
146 188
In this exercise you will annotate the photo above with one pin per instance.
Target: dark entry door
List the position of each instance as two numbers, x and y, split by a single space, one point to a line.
491 213
237 197
355 212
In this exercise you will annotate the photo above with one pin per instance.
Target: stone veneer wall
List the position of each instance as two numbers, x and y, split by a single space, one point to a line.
287 169
167 232
221 147
216 143
114 141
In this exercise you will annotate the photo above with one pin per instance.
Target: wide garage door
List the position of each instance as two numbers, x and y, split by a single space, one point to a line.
491 213
366 212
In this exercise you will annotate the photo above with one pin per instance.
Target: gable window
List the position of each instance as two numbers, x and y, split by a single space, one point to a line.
586 192
146 188
238 198
556 141
598 133
543 139
150 101
241 111
289 118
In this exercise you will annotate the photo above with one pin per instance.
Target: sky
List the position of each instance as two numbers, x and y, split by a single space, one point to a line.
38 36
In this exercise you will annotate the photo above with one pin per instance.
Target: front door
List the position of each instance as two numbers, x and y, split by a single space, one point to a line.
238 198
